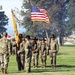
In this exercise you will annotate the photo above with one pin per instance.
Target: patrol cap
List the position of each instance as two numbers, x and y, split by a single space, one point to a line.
27 36
52 36
43 39
34 38
4 34
20 36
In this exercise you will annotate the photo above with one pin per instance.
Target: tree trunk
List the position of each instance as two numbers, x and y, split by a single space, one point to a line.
60 39
47 35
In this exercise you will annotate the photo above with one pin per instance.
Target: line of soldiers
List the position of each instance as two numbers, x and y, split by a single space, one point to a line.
28 51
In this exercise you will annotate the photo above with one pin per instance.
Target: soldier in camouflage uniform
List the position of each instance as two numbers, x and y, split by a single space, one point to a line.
35 52
4 53
20 54
53 51
43 53
27 48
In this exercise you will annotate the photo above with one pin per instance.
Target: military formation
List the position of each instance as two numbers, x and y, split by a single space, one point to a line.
28 50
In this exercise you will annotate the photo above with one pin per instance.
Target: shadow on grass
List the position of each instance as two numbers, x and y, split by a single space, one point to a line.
49 70
15 71
59 68
40 70
66 66
62 53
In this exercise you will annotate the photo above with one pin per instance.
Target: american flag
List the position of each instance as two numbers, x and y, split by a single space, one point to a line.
38 14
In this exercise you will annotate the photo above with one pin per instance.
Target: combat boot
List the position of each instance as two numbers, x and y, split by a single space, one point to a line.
33 65
5 71
54 66
27 70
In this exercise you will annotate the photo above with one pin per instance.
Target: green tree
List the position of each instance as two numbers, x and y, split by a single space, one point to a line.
3 21
57 12
71 15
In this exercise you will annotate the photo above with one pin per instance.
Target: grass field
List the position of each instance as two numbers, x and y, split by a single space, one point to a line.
65 64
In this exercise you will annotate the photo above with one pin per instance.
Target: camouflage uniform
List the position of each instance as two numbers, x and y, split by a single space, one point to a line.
53 51
35 53
43 53
47 47
20 54
27 48
38 46
4 53
13 46
16 46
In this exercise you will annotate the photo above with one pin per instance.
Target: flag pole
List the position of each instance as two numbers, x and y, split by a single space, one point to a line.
47 35
32 22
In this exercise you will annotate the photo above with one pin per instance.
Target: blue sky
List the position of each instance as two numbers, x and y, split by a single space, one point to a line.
7 6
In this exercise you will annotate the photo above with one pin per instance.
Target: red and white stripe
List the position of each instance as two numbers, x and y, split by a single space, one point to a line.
40 16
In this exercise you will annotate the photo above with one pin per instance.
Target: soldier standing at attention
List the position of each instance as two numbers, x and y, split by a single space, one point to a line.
20 54
53 51
35 53
4 53
28 53
43 53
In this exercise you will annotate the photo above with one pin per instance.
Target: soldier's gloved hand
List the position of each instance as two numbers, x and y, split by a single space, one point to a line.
18 52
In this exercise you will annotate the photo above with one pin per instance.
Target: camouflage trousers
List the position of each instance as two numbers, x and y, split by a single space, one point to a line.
43 60
4 61
28 64
52 59
35 59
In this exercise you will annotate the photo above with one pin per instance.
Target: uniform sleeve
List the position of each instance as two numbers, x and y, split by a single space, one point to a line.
57 46
36 47
21 47
9 47
26 46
